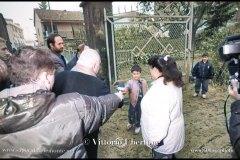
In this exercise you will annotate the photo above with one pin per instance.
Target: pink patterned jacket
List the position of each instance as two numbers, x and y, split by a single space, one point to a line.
133 89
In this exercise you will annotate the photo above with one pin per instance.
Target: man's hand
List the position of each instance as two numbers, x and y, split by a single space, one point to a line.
120 95
233 89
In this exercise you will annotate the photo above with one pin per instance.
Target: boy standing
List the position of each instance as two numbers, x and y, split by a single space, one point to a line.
136 87
202 72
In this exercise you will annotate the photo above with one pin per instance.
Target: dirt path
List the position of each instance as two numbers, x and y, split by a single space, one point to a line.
205 130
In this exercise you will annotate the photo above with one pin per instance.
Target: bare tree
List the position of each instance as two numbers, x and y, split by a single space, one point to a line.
43 5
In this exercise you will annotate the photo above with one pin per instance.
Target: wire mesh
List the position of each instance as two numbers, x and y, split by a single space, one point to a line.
137 39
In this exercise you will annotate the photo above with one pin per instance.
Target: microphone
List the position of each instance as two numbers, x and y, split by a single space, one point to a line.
233 37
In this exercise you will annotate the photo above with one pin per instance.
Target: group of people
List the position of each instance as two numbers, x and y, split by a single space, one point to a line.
36 122
51 106
158 111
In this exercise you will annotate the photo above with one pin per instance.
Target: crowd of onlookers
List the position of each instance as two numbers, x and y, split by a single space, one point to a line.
38 119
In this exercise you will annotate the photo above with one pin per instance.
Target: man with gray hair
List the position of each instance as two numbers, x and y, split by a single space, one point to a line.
83 79
89 62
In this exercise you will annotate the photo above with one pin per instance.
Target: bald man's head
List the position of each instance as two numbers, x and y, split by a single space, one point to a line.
90 59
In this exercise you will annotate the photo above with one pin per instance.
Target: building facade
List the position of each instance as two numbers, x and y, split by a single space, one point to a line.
69 24
15 33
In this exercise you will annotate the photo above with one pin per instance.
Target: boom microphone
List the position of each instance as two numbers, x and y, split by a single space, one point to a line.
234 37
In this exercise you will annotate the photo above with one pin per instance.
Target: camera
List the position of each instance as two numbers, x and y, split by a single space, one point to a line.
231 48
230 52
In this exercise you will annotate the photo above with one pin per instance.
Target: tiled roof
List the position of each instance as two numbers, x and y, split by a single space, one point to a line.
61 15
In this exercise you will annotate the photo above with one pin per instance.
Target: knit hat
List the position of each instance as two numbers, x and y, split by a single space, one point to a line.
204 55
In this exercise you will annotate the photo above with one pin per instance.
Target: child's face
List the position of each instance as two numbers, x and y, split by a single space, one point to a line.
205 59
136 75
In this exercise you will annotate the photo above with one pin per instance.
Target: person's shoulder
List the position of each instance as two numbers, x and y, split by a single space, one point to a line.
70 100
209 62
68 97
196 64
67 74
130 80
60 74
89 78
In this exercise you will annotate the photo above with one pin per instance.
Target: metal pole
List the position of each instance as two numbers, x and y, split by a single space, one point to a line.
114 53
50 18
190 41
107 45
191 27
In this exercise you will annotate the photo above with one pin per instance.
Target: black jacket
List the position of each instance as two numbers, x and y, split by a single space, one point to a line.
72 63
203 70
39 125
72 81
5 84
59 61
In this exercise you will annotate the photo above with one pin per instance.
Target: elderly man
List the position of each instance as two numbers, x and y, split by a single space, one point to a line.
83 79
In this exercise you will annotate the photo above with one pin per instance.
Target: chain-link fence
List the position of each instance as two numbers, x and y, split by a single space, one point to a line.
136 38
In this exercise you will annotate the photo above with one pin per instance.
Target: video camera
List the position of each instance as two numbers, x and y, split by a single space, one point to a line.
230 52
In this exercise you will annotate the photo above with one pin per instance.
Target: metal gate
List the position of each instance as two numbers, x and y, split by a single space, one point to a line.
132 39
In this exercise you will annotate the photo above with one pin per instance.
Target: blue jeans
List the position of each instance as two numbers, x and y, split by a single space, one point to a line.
201 83
134 113
157 155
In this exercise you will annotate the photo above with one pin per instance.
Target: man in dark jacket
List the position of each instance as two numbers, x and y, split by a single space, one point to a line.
202 72
83 79
234 121
56 45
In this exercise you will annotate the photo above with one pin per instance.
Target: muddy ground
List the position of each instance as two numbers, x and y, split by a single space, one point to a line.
205 130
